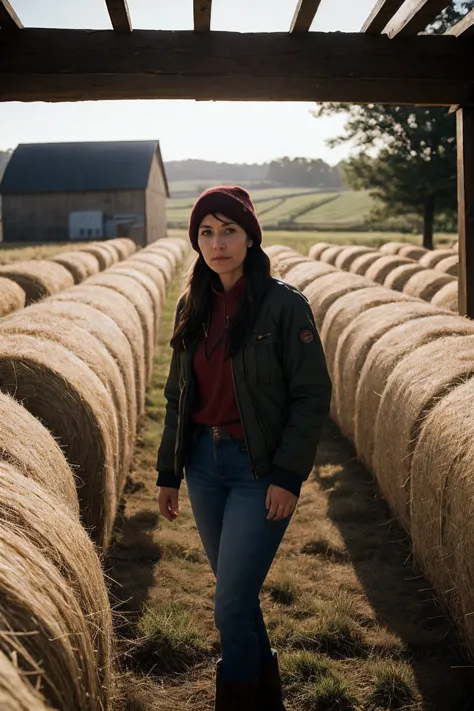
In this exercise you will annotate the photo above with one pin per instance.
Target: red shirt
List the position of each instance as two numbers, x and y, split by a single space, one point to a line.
216 403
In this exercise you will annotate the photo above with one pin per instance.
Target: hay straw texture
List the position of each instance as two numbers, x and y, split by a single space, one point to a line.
354 346
330 255
413 388
449 265
442 504
126 245
16 694
412 252
455 247
398 277
104 256
392 247
20 435
323 292
362 263
349 255
12 296
425 284
81 265
120 310
157 260
288 262
146 282
164 251
38 277
94 354
149 270
60 390
382 360
111 249
274 250
379 270
169 244
317 249
431 259
447 297
31 511
43 626
303 274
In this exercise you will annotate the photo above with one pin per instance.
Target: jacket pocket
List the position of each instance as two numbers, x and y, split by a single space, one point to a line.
262 360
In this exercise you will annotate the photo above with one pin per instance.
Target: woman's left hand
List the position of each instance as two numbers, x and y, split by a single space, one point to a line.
280 502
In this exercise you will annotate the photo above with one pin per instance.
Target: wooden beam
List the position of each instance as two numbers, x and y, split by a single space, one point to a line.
119 15
304 15
380 16
9 20
72 65
414 16
465 27
202 15
465 144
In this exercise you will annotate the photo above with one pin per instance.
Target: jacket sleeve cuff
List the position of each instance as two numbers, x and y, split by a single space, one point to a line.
286 479
168 479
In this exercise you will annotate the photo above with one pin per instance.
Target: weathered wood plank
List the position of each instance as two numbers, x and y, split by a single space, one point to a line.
465 143
381 15
304 15
465 27
9 20
414 16
202 15
66 65
119 15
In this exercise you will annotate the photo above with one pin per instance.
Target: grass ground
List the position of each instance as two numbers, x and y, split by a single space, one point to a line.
355 625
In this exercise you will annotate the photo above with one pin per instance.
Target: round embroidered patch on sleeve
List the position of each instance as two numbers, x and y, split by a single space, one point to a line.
306 336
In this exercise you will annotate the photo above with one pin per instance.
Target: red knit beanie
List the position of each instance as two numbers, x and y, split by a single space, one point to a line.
233 202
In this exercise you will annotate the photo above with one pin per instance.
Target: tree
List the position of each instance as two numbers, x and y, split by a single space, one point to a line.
413 161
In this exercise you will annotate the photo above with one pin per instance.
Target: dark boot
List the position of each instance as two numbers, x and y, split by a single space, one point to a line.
235 695
270 695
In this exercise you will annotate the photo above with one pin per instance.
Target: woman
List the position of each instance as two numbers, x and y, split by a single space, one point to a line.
247 395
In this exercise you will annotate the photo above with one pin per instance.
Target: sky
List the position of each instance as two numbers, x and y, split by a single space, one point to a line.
236 132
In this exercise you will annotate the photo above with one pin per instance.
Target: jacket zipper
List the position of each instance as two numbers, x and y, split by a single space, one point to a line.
242 419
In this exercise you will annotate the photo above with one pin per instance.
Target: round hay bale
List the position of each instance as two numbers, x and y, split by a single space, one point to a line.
81 265
44 629
94 354
431 259
447 297
20 435
354 346
150 286
274 250
38 278
127 246
317 249
120 249
382 360
34 513
449 265
362 263
140 299
120 310
426 284
163 251
109 247
149 270
304 273
398 277
412 252
105 329
349 255
441 504
455 246
183 243
12 297
392 247
379 270
159 261
60 390
330 254
285 264
323 292
104 256
170 244
413 388
16 693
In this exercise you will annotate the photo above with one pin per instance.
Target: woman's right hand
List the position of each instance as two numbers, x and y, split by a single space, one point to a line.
167 499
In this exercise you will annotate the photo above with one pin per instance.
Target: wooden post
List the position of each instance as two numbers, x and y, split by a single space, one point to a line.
465 144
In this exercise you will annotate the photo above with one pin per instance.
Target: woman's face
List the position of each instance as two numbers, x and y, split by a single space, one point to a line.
223 244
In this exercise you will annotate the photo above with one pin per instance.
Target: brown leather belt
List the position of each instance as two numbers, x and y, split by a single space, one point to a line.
219 433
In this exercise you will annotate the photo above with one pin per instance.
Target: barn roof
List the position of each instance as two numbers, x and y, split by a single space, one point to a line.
71 167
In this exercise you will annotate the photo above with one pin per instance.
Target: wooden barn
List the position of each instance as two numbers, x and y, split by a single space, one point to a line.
78 191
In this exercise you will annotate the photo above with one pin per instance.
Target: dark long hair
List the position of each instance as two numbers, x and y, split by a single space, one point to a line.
197 297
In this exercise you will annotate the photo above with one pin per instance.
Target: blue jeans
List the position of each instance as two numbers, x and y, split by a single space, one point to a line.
229 509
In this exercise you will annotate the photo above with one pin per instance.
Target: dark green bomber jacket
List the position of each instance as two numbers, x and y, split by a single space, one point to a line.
283 393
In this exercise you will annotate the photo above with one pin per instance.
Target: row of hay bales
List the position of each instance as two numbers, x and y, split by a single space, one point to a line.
403 377
413 270
24 282
73 373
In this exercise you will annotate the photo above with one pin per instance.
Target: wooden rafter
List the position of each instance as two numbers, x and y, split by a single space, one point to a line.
304 15
119 15
465 27
202 15
465 145
414 16
9 20
381 15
